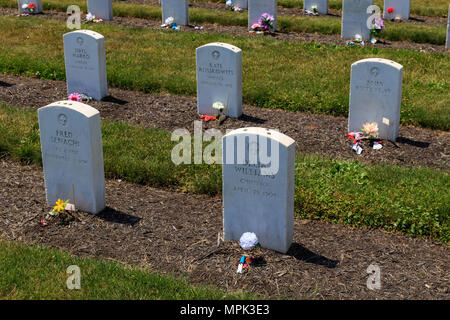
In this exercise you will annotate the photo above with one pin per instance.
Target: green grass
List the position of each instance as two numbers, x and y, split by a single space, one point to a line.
414 201
324 25
291 76
30 272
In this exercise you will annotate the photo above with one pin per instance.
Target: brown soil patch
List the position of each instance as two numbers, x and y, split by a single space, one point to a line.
177 233
243 32
320 134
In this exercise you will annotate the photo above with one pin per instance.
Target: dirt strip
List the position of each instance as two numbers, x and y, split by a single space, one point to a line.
243 32
319 134
177 234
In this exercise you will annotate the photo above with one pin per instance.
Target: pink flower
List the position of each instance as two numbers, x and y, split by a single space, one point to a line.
75 97
256 26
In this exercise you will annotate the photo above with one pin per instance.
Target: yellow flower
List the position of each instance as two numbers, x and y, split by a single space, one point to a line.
60 206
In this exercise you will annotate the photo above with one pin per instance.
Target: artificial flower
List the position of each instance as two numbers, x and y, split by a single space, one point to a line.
75 97
371 129
248 240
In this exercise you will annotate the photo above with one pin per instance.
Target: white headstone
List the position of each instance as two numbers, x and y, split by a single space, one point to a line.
72 155
322 5
219 78
243 4
401 9
447 42
177 9
258 190
84 52
101 9
258 7
37 4
375 96
354 19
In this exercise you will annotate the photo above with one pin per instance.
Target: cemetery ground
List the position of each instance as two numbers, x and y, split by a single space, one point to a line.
430 31
390 207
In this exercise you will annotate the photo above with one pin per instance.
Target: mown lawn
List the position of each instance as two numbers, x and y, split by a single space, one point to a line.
324 25
414 201
36 272
292 76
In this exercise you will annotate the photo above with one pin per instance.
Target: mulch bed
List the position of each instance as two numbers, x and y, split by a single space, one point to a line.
319 134
243 32
177 234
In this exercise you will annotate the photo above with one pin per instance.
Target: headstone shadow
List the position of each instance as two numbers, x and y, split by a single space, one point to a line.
256 120
114 100
299 252
418 144
112 215
5 84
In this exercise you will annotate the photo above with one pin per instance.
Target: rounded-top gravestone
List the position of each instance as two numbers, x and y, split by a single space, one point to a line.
85 59
258 186
101 9
219 79
256 8
72 154
375 96
354 19
177 9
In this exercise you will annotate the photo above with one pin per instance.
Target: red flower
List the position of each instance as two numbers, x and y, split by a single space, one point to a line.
390 10
207 118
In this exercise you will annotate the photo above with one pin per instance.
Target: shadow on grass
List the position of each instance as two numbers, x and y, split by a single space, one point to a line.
299 252
112 215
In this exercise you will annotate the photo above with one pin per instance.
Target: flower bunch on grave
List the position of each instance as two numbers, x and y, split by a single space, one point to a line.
28 8
170 24
377 27
265 23
61 209
369 131
91 18
231 6
314 11
357 40
80 97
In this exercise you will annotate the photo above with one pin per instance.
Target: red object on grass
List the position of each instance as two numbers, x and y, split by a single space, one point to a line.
390 10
